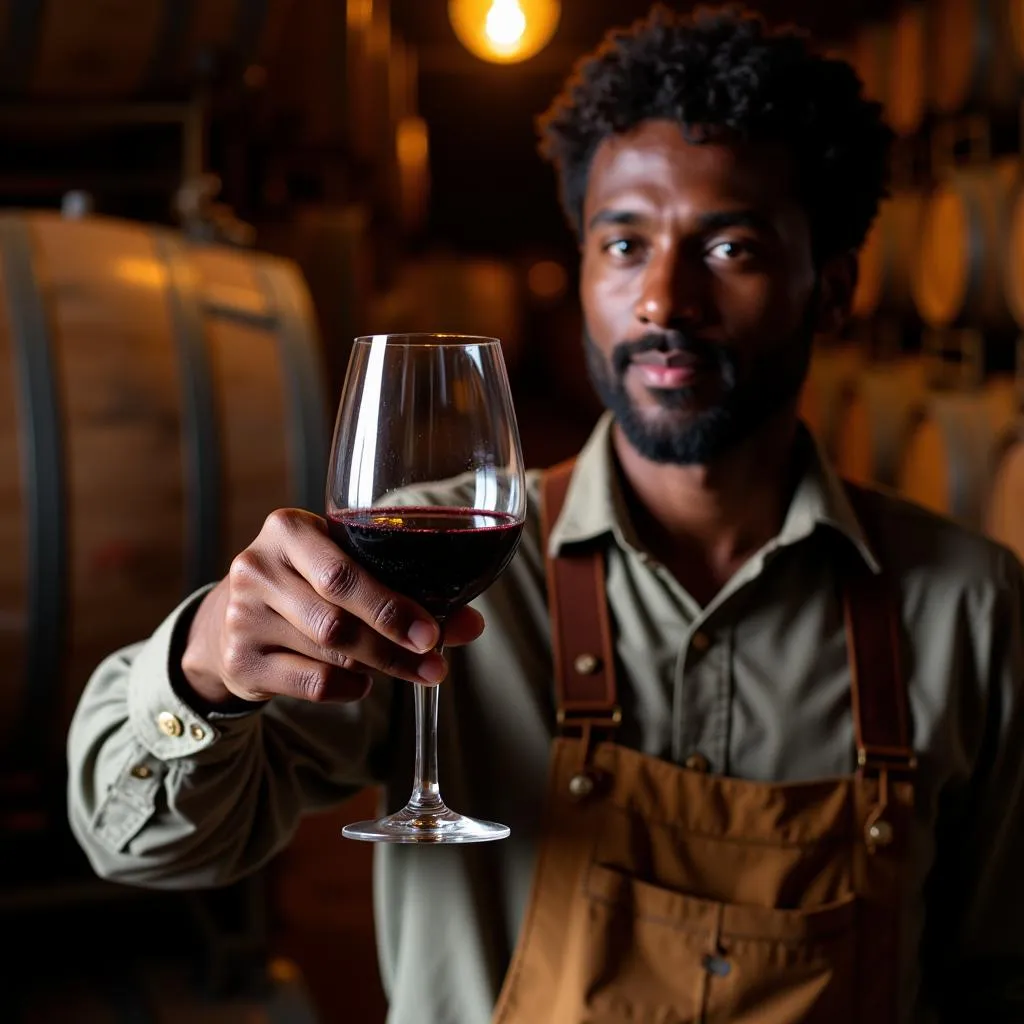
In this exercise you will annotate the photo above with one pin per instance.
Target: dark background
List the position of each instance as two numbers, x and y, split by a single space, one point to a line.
285 147
491 192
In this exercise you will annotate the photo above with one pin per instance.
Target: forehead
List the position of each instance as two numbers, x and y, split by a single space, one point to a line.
654 163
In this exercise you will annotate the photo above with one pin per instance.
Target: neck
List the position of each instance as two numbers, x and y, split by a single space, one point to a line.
704 522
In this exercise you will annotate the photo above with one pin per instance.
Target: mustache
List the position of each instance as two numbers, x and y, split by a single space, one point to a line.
698 349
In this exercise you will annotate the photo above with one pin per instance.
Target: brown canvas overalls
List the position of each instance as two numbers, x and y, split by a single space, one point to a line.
667 895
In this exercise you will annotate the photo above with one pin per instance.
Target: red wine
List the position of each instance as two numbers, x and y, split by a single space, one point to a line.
441 557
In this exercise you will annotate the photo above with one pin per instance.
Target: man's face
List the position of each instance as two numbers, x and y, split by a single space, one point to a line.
699 292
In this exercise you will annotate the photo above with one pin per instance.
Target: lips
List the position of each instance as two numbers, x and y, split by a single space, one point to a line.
666 369
660 375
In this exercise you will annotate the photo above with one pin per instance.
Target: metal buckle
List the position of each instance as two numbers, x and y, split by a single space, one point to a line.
583 718
889 759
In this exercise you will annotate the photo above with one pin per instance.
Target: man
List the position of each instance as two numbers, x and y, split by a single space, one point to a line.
790 786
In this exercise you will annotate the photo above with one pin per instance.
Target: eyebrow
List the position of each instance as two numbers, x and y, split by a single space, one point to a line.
708 222
614 217
736 219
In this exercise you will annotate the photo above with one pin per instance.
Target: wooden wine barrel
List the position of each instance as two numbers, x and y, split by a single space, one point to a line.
87 50
959 277
948 460
906 79
1013 266
1015 29
157 400
830 383
974 64
876 420
886 260
1004 517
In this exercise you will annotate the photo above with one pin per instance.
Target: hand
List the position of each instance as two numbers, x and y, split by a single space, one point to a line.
295 616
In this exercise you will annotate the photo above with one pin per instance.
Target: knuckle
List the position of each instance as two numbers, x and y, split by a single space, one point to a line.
338 580
245 569
387 615
312 683
282 521
328 625
236 616
236 658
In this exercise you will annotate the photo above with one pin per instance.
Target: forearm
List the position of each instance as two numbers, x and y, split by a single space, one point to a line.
160 795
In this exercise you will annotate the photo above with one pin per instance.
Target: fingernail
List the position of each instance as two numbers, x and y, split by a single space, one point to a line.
432 669
423 636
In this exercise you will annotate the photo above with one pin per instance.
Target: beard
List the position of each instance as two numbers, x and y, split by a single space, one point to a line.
748 395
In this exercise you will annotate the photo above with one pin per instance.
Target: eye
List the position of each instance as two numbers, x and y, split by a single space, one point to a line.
622 248
731 252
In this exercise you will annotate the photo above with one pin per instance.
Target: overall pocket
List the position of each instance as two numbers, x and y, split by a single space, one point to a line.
649 955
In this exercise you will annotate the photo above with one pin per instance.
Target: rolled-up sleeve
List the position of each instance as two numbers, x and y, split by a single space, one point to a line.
161 795
983 965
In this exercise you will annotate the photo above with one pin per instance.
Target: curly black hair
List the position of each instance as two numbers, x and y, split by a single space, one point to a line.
722 73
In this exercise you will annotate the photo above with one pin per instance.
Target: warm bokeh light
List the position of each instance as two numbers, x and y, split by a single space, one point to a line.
412 149
547 280
504 31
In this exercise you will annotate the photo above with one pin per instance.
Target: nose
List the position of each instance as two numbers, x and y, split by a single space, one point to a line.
672 292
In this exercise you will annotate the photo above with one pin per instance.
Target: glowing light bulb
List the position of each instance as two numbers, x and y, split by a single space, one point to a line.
506 23
504 31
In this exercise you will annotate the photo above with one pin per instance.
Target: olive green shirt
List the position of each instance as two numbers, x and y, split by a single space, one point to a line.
757 682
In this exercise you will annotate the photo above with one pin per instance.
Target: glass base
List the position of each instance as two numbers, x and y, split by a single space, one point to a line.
419 825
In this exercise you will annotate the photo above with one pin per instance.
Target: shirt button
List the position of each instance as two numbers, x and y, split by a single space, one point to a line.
700 642
168 724
697 763
142 771
198 732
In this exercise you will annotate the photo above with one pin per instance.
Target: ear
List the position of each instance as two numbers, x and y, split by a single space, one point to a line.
837 282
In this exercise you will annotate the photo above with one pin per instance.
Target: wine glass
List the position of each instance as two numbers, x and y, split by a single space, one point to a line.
426 490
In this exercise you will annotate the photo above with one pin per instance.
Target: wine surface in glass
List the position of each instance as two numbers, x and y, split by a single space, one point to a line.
440 557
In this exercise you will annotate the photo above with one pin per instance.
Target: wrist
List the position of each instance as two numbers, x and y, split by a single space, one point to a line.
199 663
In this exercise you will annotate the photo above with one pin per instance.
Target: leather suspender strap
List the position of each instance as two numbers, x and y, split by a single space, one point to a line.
881 709
584 661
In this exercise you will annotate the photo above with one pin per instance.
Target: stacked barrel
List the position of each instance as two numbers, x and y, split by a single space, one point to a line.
925 395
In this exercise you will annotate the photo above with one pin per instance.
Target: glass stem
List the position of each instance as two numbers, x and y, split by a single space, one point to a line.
426 791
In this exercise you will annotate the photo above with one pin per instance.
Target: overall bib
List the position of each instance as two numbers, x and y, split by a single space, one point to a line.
668 895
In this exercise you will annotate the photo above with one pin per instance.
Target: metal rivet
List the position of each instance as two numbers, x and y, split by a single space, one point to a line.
700 642
717 965
198 732
581 785
697 763
142 771
169 725
880 833
586 664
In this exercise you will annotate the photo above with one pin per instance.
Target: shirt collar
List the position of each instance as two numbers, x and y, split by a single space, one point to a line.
594 504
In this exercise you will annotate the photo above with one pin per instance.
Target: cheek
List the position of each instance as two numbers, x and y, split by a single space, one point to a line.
760 305
606 303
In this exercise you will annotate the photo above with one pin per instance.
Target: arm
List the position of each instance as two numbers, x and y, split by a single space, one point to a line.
193 755
983 883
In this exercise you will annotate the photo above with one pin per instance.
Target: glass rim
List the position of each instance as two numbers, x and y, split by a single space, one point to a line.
428 339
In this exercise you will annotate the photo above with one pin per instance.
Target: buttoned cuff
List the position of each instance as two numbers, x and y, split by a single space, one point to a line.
165 724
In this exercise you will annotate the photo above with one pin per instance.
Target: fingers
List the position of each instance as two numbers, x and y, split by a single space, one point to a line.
304 545
295 617
463 627
302 619
305 678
